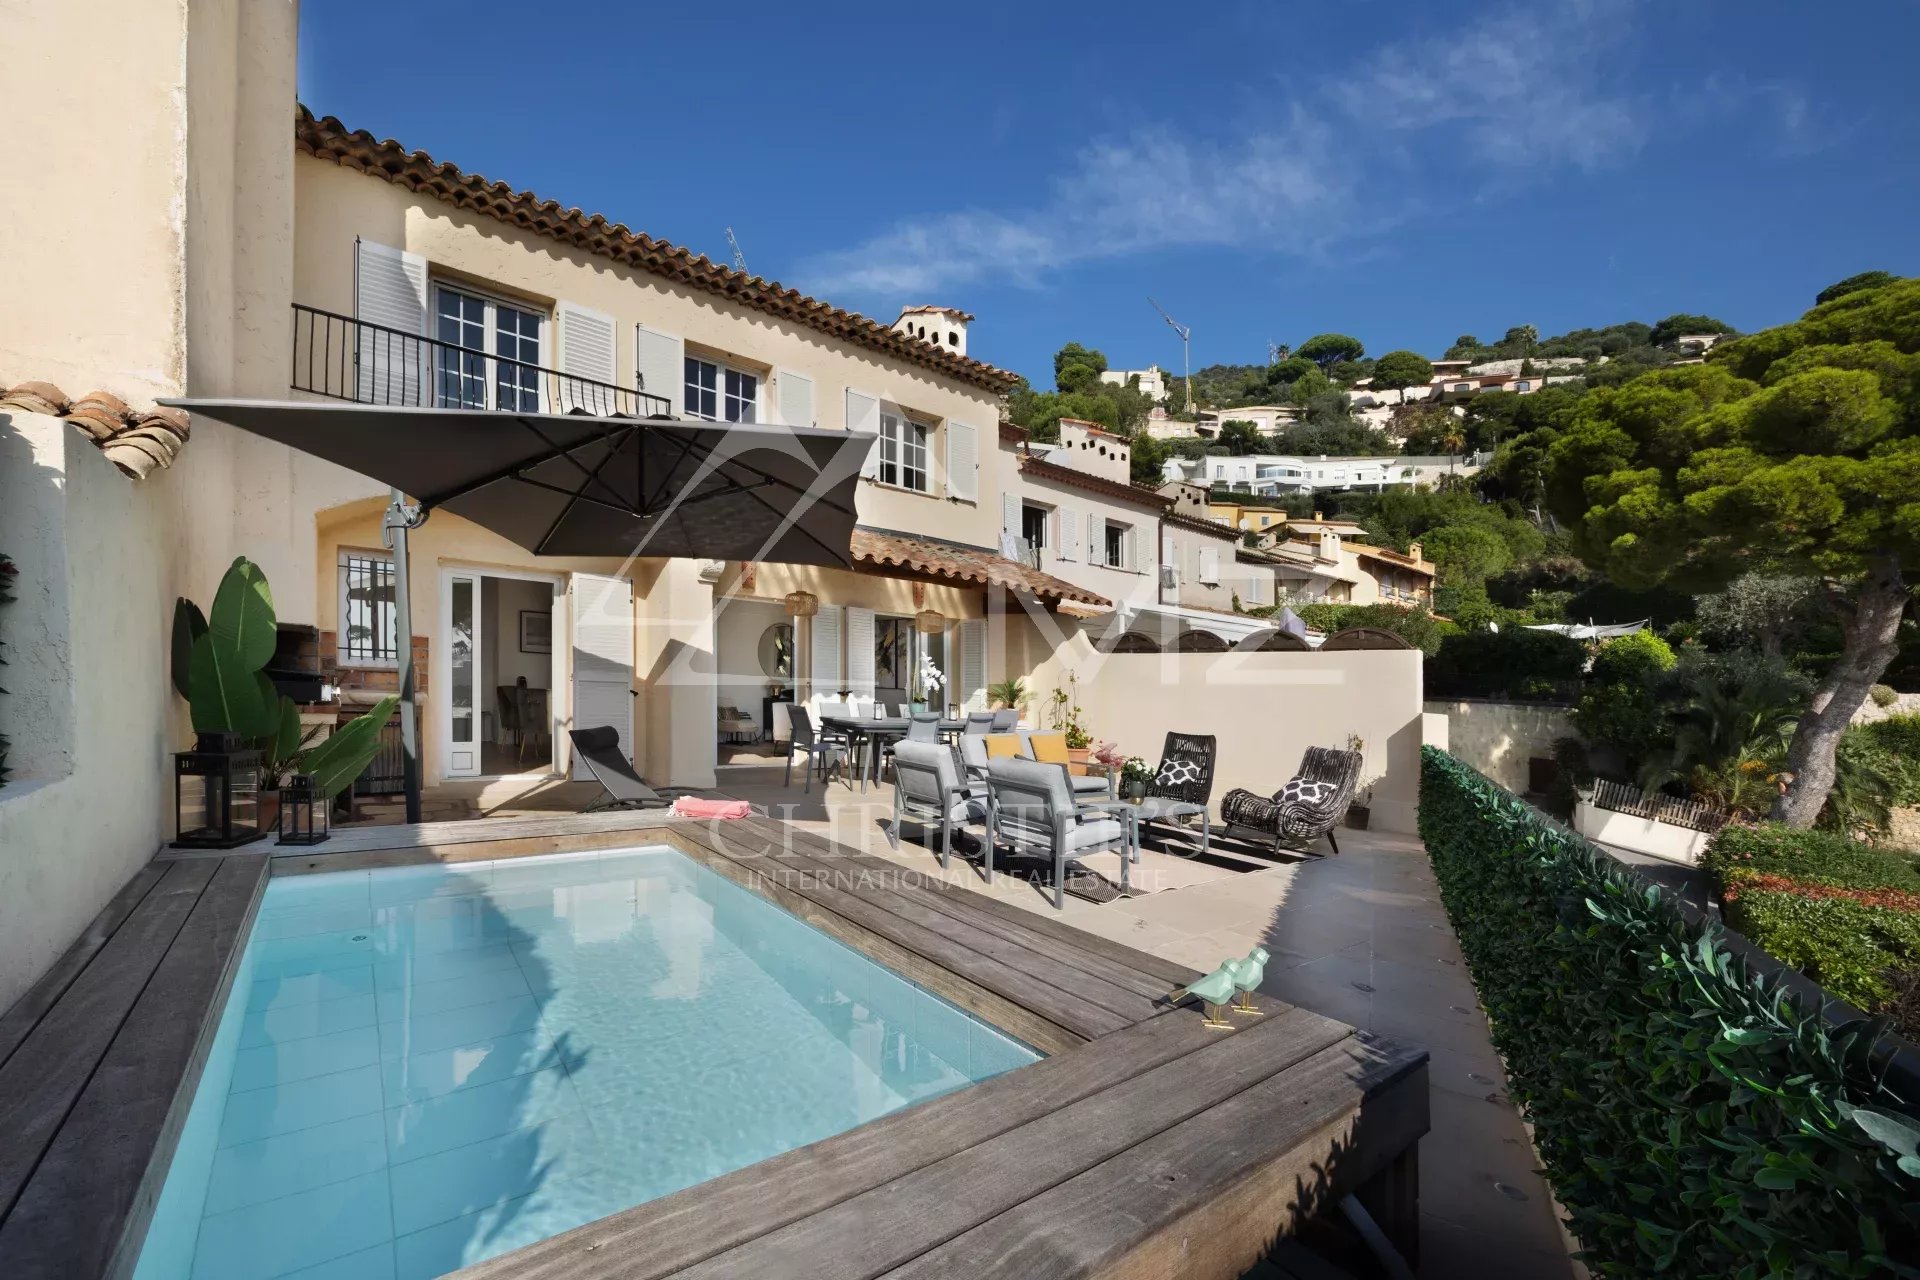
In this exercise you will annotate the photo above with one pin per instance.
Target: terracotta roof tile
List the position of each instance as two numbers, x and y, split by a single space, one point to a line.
954 564
327 139
1115 489
138 441
1011 433
1214 527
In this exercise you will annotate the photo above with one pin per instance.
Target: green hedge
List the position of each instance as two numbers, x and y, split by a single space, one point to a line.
1507 664
1818 857
1693 1120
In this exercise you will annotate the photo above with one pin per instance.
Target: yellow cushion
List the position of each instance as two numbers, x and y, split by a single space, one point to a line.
1050 748
1003 746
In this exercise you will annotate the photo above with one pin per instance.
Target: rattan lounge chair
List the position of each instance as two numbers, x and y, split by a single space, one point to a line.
599 750
1308 807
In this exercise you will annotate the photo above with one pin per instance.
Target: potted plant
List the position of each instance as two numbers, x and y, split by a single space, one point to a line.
927 679
1008 693
1135 774
1064 712
1360 809
219 667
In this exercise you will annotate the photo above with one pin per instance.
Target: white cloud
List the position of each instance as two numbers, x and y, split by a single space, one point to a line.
1515 94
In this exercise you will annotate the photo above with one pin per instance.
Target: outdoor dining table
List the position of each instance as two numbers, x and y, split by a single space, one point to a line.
871 732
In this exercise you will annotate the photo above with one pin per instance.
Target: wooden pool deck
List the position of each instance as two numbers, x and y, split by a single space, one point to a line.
1144 1144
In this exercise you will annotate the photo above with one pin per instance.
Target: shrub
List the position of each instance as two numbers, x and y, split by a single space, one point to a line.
1841 912
1640 656
1694 1120
1883 695
1898 737
1495 664
1621 707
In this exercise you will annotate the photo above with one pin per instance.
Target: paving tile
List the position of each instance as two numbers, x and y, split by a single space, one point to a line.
420 1033
300 1021
467 1116
282 1064
262 1113
303 1230
428 1075
452 1184
308 988
281 1166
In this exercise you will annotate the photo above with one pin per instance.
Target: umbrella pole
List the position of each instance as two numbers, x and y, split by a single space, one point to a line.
401 518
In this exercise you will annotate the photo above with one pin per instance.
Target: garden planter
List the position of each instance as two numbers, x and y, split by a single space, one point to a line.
1358 815
1077 760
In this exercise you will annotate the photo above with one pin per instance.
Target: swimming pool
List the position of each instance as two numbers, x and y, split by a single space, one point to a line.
422 1067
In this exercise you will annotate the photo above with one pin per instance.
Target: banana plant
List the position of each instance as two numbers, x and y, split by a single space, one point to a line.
219 664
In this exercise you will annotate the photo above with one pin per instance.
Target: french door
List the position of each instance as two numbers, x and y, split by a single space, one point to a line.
460 623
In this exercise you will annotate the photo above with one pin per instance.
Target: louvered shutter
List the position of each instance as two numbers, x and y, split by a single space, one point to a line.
796 398
1210 566
972 693
1131 549
1096 539
390 290
860 652
1068 543
963 462
602 610
660 367
1010 514
863 415
583 348
823 662
1169 559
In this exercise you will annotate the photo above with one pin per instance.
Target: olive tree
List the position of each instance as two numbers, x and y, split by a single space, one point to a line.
1793 451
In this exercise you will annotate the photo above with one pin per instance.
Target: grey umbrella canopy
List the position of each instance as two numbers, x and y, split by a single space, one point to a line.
579 485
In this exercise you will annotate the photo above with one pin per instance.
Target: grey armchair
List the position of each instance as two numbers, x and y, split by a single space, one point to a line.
1308 807
1031 808
929 787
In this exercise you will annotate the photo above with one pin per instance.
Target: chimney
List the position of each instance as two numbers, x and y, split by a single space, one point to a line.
1329 545
1414 551
1316 517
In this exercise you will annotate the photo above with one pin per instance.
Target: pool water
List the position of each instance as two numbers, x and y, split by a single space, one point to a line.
422 1067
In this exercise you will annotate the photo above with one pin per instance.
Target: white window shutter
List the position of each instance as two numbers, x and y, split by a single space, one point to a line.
796 398
863 415
1010 514
963 462
390 290
660 366
1169 557
583 347
1096 539
1131 549
1068 543
824 661
860 651
972 693
1210 566
602 611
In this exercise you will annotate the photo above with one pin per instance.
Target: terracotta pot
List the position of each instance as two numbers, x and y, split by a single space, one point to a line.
1077 757
270 811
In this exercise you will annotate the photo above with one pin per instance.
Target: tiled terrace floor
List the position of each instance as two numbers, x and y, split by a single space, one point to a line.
1361 937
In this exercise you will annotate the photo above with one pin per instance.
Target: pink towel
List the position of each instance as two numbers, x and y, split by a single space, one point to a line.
695 807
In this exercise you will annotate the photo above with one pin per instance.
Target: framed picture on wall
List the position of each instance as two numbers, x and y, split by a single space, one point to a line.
536 631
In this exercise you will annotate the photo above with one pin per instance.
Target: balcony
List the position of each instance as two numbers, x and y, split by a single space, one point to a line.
346 359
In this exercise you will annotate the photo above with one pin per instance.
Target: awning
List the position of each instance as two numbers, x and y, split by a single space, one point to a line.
898 555
577 485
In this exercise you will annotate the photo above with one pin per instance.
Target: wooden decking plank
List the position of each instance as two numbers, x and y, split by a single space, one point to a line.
43 1077
1024 927
1011 1016
877 918
1204 1198
94 1190
25 1015
890 1225
666 1235
1073 980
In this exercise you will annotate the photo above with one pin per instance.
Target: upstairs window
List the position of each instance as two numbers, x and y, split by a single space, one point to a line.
721 393
491 353
1116 545
903 451
1033 526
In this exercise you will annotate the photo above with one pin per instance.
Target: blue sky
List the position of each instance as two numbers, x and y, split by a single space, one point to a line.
1404 172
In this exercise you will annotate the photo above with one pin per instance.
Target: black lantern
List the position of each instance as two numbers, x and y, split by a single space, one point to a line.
216 793
303 811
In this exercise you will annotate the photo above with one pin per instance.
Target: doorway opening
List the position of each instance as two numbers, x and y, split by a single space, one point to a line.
502 668
754 653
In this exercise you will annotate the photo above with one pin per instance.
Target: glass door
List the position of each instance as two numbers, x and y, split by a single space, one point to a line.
460 619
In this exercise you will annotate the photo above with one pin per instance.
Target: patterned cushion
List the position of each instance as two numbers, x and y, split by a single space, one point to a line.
1177 771
1301 791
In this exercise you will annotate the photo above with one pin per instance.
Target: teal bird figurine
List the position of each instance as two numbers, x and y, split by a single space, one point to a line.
1214 990
1247 973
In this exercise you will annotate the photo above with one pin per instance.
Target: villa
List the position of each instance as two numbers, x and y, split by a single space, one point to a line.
737 539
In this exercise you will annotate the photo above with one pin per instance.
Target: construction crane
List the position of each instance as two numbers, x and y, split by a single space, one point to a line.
1186 348
739 258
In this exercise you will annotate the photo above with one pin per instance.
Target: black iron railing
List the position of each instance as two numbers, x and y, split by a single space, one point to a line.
348 359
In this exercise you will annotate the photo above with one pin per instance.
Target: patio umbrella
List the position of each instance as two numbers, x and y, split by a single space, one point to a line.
580 485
